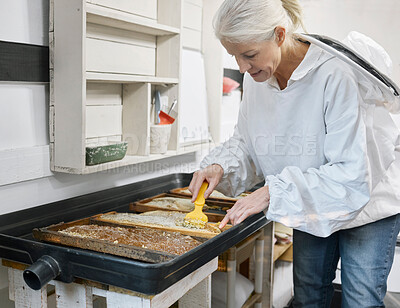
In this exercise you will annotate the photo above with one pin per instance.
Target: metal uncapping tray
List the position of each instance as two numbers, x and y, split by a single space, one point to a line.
17 243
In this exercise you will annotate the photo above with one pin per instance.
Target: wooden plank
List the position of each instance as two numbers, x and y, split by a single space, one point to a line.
207 231
169 48
213 210
103 121
259 259
174 292
51 47
287 255
117 19
114 57
103 94
101 32
168 56
217 196
170 13
13 264
279 250
146 8
51 87
136 118
125 78
24 62
192 16
199 296
51 124
23 115
138 208
51 15
268 265
213 55
199 281
24 164
69 84
123 300
253 301
11 284
191 38
231 278
73 295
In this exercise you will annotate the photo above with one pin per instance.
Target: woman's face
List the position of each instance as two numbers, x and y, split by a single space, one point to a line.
260 59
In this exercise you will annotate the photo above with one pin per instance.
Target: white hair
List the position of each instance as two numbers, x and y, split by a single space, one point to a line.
241 21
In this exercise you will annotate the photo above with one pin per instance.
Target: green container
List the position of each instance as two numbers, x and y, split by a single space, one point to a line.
105 153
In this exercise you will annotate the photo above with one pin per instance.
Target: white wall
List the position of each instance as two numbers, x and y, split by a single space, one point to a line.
24 21
24 115
376 19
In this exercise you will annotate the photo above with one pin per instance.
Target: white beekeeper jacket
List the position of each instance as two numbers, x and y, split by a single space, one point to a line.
325 145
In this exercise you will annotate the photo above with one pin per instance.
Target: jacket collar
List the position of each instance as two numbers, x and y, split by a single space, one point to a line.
314 58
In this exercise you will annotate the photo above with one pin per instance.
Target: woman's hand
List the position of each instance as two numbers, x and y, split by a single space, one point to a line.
212 174
254 203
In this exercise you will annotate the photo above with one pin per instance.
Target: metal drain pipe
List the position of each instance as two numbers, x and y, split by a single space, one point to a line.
41 272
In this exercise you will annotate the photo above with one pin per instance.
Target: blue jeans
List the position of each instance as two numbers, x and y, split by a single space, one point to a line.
366 255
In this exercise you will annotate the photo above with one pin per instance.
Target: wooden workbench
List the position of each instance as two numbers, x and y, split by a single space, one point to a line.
194 290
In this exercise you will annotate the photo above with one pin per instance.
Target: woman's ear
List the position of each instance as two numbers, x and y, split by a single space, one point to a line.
280 35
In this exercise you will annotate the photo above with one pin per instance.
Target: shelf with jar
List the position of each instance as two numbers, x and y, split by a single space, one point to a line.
107 61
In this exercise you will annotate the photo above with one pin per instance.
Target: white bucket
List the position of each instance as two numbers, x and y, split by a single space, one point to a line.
159 138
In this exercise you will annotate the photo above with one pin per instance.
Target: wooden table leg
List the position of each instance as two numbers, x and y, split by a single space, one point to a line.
231 277
268 265
258 277
199 296
75 295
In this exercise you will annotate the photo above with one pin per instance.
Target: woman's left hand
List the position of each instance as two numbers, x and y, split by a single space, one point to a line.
254 203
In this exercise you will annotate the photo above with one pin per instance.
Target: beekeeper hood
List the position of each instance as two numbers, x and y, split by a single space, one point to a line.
370 62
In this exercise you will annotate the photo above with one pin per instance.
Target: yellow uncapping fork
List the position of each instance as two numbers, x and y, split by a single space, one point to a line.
197 219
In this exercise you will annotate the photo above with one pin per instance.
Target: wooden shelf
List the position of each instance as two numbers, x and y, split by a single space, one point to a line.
107 61
131 160
287 255
126 78
280 249
117 19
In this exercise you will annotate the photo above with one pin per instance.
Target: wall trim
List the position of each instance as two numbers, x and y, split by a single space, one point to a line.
23 62
24 164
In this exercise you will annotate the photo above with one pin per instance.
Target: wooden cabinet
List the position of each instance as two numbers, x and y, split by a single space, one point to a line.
107 59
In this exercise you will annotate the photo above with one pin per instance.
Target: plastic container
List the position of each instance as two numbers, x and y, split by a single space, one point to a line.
105 153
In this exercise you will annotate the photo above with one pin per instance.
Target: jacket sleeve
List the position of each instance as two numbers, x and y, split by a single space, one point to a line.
240 171
323 200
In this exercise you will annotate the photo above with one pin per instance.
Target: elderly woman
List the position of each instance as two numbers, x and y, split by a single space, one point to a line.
307 127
